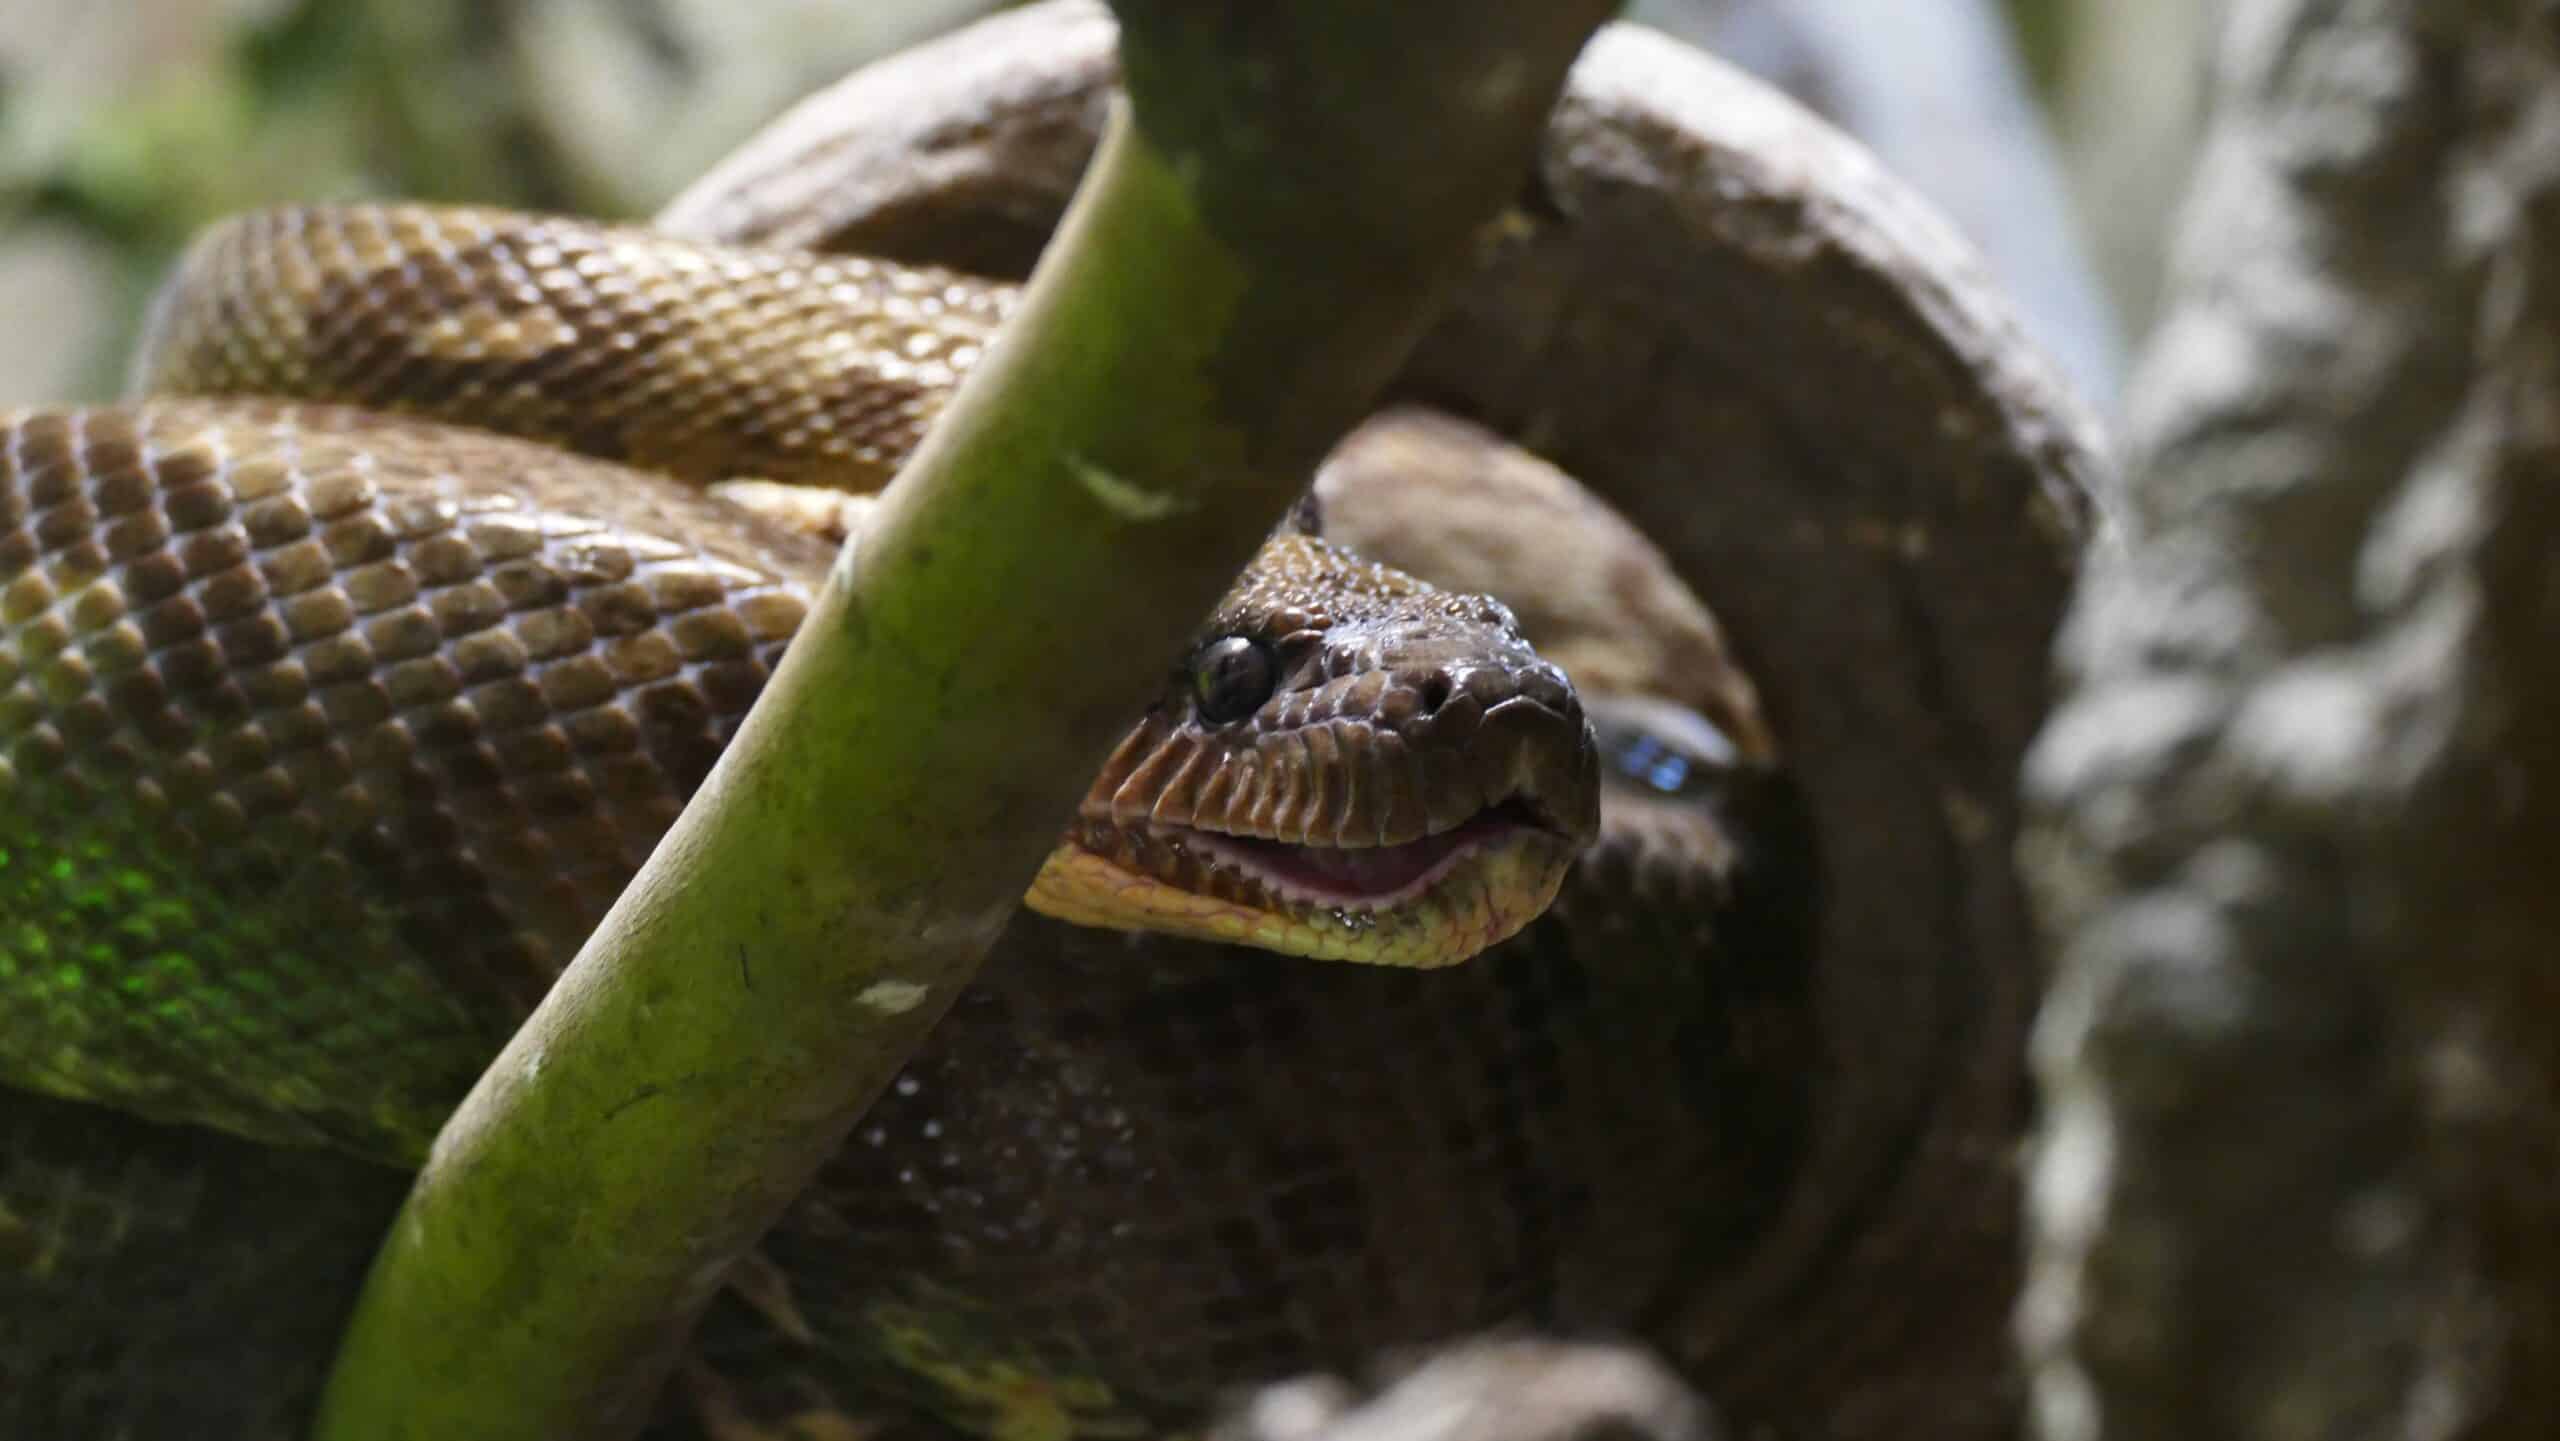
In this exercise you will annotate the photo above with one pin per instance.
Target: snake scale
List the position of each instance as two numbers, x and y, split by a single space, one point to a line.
331 727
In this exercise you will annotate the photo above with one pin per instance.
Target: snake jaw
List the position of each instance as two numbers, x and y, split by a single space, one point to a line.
1361 878
1451 895
1441 851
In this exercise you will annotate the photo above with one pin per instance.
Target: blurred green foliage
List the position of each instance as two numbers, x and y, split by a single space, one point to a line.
127 125
2044 39
314 100
130 131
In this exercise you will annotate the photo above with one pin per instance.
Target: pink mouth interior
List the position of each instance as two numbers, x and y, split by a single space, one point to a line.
1365 876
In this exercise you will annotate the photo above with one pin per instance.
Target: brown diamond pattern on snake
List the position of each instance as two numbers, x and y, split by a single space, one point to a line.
319 686
703 363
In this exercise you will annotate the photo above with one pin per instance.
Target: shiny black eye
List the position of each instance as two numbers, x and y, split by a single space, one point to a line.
1230 678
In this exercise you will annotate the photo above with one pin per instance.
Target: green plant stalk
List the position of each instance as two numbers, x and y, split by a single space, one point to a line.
1211 316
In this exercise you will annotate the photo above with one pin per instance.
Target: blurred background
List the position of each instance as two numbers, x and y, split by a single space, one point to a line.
2056 133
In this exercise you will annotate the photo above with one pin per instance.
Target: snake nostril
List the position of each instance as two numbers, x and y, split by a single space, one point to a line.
1547 687
1435 692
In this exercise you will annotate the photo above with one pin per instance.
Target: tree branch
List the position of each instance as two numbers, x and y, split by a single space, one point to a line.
2295 1175
1246 263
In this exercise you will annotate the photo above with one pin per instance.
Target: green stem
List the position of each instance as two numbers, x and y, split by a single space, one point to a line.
1212 315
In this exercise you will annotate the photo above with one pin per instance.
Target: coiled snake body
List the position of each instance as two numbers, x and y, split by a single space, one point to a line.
328 732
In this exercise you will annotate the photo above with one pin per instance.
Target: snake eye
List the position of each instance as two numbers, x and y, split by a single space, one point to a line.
1668 749
1230 678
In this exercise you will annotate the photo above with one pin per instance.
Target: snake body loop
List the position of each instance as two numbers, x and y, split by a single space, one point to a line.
334 719
701 362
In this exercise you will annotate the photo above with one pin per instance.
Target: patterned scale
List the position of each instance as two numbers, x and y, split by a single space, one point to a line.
696 361
171 1283
287 709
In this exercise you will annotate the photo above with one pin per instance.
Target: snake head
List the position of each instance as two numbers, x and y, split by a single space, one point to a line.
1348 764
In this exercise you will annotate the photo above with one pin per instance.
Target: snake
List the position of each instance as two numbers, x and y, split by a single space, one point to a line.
1385 986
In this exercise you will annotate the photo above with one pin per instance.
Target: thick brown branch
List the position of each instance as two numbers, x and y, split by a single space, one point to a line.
2295 1174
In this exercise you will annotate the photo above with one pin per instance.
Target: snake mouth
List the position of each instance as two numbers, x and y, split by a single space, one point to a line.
1367 878
1432 900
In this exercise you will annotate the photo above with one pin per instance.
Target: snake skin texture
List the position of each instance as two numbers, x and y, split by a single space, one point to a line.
708 363
321 759
330 731
164 1282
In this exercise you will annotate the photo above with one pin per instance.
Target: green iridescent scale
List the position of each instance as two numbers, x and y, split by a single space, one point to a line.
141 972
317 763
